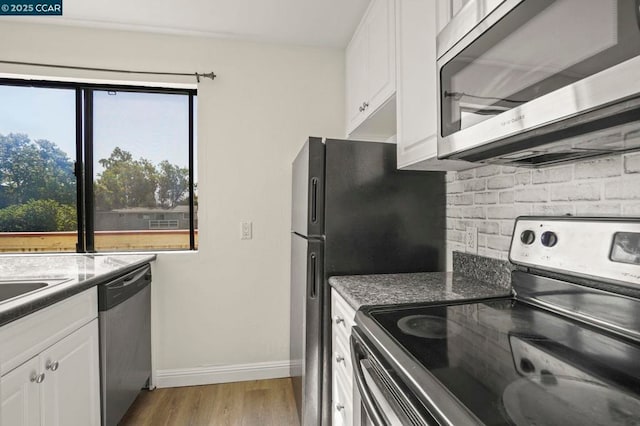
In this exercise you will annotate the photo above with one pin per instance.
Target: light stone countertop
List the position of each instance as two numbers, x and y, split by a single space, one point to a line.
78 271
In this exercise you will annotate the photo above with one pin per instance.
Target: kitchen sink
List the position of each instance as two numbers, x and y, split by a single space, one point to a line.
14 288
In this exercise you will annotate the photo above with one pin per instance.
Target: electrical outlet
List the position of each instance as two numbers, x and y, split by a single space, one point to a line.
471 239
246 230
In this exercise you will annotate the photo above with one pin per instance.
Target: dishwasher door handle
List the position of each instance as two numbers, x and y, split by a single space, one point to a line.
111 294
130 279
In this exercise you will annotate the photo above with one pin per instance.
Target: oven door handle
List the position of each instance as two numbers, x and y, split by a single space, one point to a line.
357 355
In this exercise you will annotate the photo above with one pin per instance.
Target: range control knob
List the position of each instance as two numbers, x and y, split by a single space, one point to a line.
549 239
528 237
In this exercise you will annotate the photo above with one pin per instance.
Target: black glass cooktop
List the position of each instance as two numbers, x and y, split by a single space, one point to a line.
514 364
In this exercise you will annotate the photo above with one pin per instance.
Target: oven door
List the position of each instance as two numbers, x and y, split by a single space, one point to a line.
534 72
380 397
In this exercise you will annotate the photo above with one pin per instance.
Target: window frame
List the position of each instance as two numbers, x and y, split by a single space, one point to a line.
83 162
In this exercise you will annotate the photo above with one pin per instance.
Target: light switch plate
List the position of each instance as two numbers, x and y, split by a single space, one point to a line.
471 239
246 230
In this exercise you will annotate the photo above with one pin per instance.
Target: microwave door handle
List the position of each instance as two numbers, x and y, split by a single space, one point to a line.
367 400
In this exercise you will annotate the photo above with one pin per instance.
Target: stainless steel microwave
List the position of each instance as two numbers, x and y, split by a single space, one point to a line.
538 82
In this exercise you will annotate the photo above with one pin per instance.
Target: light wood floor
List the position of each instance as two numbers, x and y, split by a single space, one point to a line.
258 402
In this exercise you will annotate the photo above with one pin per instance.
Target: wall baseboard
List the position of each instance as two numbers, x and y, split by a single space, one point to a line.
221 374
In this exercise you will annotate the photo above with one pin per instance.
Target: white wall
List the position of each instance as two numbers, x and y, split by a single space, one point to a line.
226 304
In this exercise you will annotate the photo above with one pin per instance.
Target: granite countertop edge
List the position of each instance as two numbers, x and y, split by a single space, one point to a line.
33 302
423 287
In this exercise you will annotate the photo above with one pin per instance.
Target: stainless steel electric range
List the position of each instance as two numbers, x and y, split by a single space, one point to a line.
564 350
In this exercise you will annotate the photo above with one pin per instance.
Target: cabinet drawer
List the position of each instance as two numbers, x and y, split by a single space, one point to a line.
26 337
342 352
342 314
342 404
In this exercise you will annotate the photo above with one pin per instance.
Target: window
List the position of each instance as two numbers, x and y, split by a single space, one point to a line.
92 168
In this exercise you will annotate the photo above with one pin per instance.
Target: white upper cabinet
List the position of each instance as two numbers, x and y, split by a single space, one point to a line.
417 97
447 9
371 73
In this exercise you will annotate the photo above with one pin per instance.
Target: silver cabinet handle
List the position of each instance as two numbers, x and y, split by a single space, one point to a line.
53 366
37 378
365 105
361 108
339 358
339 407
339 319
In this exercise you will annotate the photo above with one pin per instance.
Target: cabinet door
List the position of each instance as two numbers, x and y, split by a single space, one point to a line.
20 395
71 392
382 54
416 100
443 14
417 97
356 78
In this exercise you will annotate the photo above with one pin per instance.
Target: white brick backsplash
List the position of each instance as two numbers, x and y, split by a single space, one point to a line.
508 212
507 197
625 189
522 178
450 223
455 188
553 175
474 185
631 210
632 163
453 213
498 242
506 170
461 225
491 197
500 182
553 210
496 254
486 198
473 212
488 227
488 171
533 195
608 209
457 236
462 199
603 167
467 174
506 227
576 192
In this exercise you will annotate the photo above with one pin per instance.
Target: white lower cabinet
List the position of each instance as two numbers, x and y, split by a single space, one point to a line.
58 387
71 388
342 316
20 396
48 378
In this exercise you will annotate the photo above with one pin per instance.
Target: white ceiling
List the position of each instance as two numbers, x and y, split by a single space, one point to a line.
329 23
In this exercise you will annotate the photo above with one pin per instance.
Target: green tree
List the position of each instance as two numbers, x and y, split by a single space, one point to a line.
38 216
125 182
173 184
32 170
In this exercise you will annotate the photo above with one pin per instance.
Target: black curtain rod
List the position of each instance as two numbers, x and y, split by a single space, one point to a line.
210 75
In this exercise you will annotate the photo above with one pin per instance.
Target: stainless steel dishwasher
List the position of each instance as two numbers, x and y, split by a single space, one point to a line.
125 341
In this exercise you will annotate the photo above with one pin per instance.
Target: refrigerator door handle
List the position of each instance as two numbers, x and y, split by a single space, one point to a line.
313 272
314 200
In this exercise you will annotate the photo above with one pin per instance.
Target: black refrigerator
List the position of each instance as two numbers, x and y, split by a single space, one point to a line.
353 212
